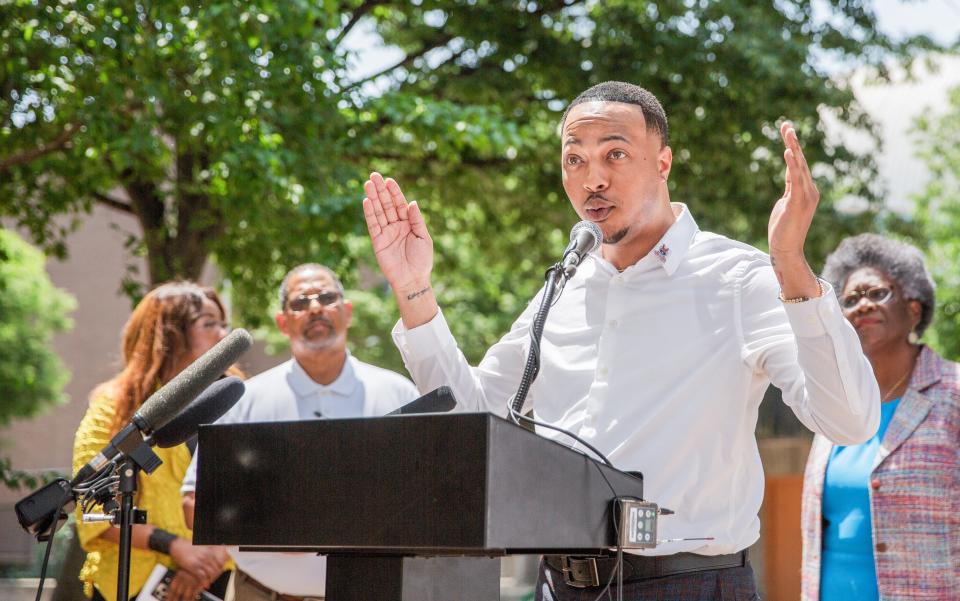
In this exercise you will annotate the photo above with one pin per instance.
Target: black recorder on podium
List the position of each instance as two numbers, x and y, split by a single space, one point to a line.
197 395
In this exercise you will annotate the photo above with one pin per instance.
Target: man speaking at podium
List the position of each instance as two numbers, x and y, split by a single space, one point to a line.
660 347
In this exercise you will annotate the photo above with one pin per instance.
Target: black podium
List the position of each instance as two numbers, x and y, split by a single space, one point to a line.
405 506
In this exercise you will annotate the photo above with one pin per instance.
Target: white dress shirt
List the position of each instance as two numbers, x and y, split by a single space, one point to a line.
287 393
662 367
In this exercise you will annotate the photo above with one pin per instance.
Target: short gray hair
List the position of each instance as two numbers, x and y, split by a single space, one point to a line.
302 268
901 262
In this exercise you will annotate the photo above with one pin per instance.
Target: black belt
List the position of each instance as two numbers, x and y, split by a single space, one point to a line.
583 572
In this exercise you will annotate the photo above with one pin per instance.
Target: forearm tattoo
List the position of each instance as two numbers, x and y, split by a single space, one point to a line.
776 272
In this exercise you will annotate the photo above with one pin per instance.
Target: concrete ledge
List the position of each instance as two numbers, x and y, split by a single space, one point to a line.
25 589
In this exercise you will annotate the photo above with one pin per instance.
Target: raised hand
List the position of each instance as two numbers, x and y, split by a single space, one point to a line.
790 221
403 247
792 215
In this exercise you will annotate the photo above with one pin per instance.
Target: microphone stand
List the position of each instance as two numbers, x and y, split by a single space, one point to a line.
129 515
555 280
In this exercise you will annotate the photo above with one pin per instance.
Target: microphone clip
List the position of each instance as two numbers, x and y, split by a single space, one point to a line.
131 443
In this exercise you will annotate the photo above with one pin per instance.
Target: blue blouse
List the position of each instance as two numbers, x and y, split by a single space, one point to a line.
847 569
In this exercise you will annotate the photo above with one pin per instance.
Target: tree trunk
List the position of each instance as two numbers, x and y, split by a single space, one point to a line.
177 245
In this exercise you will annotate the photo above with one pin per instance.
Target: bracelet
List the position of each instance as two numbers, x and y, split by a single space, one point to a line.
802 299
160 540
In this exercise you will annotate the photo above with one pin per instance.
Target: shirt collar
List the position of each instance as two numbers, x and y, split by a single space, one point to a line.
670 250
673 247
303 385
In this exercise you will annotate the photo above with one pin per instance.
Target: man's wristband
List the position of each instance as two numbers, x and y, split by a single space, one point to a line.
160 540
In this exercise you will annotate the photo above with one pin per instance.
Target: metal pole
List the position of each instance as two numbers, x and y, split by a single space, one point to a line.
128 487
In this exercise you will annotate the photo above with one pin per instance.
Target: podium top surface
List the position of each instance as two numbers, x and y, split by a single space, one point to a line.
453 483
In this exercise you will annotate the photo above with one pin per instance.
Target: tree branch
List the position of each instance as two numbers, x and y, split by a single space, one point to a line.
113 203
361 10
42 149
443 40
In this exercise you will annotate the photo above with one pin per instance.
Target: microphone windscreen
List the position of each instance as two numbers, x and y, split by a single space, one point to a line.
587 235
207 408
440 400
166 403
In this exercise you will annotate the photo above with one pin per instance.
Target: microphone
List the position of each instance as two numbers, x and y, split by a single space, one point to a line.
207 408
37 511
166 403
439 400
170 400
585 237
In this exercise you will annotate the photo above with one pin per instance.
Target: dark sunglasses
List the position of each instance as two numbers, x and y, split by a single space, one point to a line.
302 302
876 295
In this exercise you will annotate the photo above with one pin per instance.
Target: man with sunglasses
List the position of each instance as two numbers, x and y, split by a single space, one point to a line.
321 380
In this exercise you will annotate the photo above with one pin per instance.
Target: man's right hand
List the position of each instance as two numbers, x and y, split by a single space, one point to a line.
203 562
184 587
403 248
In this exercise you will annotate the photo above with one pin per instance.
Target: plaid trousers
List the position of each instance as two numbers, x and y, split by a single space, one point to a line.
727 584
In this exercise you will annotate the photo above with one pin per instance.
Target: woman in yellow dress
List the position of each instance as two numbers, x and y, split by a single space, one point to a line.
170 328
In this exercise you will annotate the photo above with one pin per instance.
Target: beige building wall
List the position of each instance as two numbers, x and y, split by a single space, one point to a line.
91 351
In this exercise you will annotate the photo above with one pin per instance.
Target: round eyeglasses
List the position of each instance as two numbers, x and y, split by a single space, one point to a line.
876 295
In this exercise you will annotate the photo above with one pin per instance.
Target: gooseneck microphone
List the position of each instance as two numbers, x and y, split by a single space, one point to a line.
167 402
585 237
439 400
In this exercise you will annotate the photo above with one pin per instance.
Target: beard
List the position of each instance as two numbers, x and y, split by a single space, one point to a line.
317 338
616 236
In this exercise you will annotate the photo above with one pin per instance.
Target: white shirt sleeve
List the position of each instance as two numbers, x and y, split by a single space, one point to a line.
189 484
433 359
813 355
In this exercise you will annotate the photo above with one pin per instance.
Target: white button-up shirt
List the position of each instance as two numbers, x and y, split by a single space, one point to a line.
287 393
662 367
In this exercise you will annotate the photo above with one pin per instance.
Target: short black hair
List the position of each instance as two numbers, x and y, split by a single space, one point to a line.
901 262
620 91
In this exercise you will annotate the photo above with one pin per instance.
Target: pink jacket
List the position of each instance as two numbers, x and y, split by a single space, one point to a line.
914 492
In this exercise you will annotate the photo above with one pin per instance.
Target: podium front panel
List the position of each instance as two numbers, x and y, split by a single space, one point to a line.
441 484
343 483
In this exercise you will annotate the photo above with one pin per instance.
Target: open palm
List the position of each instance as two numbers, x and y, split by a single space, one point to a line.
793 213
398 233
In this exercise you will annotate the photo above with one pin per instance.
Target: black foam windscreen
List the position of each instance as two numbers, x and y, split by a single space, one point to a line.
175 395
207 408
439 400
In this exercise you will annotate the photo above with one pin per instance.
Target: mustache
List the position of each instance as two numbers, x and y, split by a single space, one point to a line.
597 196
318 318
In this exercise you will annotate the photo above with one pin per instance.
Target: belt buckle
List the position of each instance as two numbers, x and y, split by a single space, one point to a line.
579 573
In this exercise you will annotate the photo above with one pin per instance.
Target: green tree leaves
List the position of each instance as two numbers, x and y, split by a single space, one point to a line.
32 310
242 132
938 216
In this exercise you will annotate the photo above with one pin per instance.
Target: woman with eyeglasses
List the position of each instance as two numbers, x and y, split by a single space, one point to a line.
881 520
170 328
